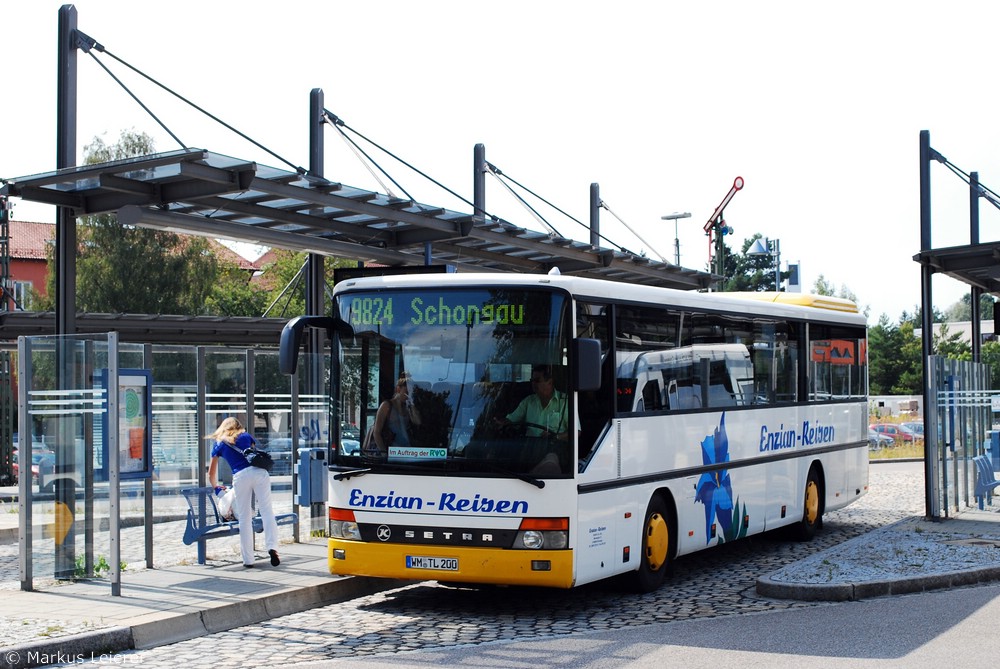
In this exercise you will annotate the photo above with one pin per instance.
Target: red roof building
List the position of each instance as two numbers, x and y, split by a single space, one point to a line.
29 247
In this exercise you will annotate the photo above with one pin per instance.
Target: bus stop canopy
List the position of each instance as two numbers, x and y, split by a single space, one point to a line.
197 192
976 265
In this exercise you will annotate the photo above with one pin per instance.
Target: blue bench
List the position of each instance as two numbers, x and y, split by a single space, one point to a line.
205 522
986 480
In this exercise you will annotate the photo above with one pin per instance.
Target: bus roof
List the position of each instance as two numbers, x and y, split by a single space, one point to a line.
790 304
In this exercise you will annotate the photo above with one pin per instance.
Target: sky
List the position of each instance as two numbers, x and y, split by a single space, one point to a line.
818 107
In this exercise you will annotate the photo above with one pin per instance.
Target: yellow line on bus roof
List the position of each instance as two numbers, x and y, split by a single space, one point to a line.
803 300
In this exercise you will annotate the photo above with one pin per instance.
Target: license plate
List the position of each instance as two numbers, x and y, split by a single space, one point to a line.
435 563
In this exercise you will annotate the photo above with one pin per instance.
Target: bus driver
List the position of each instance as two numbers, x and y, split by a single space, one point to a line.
544 411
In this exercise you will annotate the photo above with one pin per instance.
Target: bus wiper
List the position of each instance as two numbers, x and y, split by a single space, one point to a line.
538 483
354 472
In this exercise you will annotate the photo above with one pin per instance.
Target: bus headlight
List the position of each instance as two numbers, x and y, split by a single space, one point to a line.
343 525
345 529
535 539
547 533
532 539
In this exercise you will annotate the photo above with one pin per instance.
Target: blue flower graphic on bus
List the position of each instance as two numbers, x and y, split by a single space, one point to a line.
715 489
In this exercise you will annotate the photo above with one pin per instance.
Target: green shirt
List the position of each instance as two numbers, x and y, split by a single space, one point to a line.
552 416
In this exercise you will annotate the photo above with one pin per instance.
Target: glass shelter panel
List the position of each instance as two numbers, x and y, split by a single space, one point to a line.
62 409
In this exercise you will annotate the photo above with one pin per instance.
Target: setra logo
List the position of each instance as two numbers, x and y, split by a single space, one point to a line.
383 533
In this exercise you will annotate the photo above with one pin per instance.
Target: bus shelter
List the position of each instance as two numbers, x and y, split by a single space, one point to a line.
119 430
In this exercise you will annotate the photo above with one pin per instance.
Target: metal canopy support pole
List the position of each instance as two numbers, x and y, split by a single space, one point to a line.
926 307
66 96
977 326
65 283
114 467
479 180
147 363
293 426
314 266
201 423
595 215
315 292
24 497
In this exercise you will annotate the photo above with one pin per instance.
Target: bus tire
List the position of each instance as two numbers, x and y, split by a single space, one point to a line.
812 508
657 540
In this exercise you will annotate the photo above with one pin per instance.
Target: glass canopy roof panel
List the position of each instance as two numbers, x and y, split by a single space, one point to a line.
186 189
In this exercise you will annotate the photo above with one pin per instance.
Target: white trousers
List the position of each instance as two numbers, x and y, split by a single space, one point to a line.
247 484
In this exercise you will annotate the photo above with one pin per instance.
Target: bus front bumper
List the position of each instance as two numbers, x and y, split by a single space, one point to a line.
548 568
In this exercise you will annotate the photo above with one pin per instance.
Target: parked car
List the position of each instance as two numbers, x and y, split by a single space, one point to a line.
350 440
877 440
916 428
897 432
41 459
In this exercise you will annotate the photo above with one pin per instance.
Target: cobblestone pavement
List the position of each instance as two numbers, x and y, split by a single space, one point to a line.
714 583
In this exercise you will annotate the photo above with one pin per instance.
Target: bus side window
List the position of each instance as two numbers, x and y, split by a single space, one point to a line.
651 399
596 407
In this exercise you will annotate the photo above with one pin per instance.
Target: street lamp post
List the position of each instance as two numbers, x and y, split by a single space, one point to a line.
677 240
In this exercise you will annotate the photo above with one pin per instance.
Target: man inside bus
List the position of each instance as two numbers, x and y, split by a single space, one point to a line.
544 411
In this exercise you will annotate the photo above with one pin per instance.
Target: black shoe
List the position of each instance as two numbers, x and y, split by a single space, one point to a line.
274 558
249 566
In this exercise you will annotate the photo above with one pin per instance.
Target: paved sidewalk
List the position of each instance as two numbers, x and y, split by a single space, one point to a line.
166 605
912 555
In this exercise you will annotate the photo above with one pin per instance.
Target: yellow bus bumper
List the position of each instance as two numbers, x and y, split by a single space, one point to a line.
553 569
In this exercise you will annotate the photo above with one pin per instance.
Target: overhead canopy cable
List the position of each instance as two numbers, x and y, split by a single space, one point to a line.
288 289
87 44
338 122
367 161
604 205
524 203
986 193
137 100
500 175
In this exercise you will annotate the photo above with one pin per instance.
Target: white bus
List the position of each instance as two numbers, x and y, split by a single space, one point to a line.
692 420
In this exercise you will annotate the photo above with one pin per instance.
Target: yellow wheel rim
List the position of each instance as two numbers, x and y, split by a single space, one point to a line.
657 541
812 502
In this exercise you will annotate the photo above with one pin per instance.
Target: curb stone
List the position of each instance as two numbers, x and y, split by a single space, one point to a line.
842 592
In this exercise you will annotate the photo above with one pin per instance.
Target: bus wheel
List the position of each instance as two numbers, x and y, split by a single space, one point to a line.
655 557
812 509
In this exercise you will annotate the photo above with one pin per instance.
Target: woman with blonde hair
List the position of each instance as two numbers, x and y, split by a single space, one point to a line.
229 441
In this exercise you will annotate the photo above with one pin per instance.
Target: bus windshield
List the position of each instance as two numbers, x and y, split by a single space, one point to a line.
466 380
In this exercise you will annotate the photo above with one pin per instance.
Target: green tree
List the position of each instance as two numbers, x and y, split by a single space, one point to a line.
951 346
911 375
234 295
823 287
745 272
894 355
962 310
990 355
286 282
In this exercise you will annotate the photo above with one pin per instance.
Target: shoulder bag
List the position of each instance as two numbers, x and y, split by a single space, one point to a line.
259 459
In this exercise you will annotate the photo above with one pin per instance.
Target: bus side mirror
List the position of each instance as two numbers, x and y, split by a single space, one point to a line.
291 338
587 357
